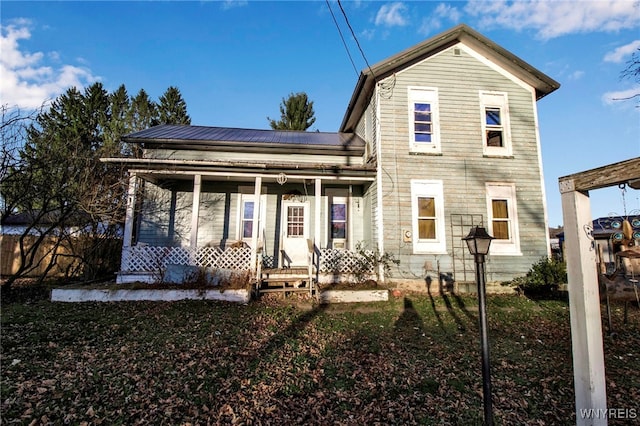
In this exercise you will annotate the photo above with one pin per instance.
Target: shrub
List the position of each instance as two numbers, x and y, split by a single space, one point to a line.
543 278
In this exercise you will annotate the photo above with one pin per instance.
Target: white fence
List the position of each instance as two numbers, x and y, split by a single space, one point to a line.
142 258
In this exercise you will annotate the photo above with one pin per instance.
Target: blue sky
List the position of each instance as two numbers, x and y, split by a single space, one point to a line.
234 61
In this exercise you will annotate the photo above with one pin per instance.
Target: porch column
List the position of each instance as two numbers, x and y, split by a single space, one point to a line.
584 307
318 199
128 224
195 211
255 229
131 204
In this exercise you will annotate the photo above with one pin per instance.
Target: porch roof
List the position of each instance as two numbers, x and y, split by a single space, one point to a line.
207 138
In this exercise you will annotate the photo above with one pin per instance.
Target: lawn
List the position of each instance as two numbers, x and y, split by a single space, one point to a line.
412 360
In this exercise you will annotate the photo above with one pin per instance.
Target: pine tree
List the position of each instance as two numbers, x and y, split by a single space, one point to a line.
172 108
296 113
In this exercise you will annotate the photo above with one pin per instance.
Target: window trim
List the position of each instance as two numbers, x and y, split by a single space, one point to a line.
432 189
500 100
503 191
244 197
418 94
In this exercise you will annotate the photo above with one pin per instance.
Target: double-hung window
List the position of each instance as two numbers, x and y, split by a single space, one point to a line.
503 218
424 120
427 216
496 131
246 207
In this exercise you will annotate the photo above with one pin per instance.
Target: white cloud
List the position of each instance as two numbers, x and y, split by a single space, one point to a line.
391 15
433 23
576 75
620 53
610 98
28 82
556 18
230 4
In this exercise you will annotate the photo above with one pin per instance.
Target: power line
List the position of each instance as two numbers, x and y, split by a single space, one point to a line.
342 38
356 39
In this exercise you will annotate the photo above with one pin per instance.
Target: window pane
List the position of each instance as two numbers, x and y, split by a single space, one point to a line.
423 127
295 221
501 229
426 207
338 212
493 116
248 210
426 229
338 230
247 229
423 137
494 138
422 117
421 107
500 209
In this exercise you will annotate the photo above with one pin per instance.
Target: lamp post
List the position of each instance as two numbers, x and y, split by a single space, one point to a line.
478 242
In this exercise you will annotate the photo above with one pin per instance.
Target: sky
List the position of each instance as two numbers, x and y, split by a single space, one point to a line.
235 61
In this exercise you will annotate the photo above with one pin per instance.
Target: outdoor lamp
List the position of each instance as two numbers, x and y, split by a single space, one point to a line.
478 242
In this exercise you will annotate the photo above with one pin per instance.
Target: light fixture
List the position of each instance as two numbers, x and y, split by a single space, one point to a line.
478 242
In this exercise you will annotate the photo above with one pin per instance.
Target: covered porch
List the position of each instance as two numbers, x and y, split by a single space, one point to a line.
287 229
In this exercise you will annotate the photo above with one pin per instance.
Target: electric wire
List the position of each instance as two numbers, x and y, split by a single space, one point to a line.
353 34
342 38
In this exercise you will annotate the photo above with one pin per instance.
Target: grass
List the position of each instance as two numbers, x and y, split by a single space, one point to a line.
412 360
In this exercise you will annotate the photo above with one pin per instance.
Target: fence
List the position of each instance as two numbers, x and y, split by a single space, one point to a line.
76 257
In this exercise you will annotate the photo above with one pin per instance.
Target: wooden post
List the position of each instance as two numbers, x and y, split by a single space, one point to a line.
255 228
195 211
318 221
128 222
584 307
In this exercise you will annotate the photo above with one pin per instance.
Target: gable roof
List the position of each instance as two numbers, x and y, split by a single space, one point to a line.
211 138
363 91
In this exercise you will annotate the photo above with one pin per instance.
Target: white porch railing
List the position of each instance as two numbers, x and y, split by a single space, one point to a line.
339 261
142 258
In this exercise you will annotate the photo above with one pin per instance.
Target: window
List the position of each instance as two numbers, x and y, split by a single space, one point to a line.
503 220
247 218
427 205
495 123
295 222
338 220
423 120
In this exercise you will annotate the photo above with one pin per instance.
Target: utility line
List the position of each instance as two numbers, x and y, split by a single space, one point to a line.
356 39
342 38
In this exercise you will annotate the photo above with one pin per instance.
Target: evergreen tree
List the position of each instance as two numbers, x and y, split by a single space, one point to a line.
172 108
296 113
144 112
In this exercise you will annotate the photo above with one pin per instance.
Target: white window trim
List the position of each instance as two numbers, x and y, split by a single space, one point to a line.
429 95
428 188
496 100
504 191
261 216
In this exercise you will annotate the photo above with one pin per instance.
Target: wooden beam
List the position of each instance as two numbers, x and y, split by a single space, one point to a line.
602 177
317 194
255 229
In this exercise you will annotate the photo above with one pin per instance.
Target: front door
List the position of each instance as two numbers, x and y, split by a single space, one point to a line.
295 232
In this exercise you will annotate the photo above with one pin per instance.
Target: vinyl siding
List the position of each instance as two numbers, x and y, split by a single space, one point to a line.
461 165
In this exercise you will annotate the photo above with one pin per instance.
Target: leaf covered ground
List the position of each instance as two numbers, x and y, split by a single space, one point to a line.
412 360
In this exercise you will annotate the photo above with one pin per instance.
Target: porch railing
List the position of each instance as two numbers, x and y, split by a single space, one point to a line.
143 258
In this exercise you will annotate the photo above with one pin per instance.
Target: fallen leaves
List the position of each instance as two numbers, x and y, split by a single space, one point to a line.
197 363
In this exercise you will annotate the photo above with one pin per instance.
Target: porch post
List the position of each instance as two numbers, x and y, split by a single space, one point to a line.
318 201
584 308
195 211
131 203
255 228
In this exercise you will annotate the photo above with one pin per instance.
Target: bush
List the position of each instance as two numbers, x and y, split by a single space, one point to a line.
542 279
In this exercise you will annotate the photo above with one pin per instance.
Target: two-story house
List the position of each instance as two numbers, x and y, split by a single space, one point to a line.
435 139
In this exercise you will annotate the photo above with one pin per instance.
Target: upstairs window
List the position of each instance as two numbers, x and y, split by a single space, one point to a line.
495 124
423 120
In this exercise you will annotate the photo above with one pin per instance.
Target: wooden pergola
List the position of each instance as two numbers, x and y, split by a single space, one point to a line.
584 297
